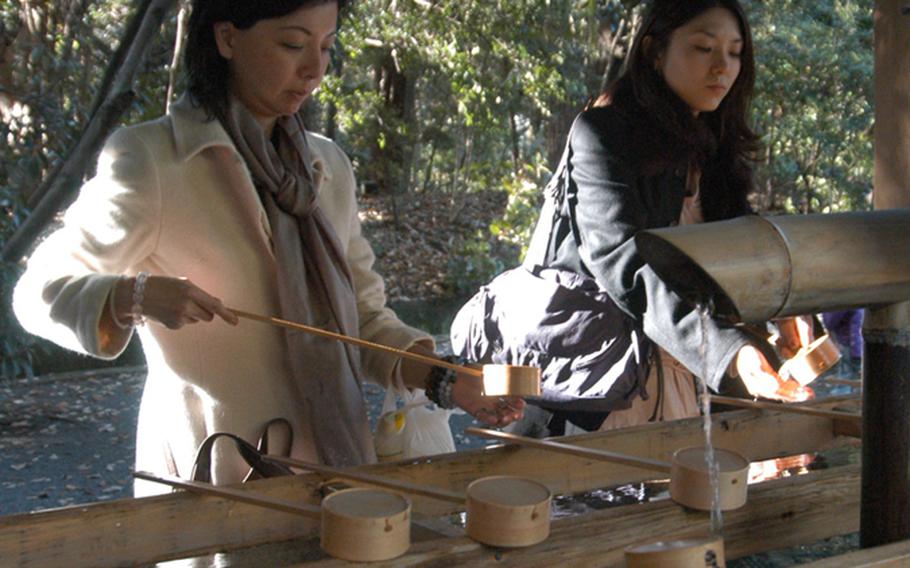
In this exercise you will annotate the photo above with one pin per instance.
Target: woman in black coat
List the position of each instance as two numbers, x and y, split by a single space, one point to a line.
668 143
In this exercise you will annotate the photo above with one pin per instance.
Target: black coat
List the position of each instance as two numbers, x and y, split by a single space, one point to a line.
587 227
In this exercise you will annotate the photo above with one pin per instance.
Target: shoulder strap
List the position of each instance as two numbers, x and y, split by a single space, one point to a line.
556 187
202 466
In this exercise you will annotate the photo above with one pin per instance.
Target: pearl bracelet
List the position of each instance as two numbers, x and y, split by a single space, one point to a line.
138 296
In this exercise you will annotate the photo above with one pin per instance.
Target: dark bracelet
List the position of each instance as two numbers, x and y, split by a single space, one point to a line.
440 381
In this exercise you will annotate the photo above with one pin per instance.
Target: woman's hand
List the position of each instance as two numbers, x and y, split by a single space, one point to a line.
172 302
467 393
762 380
794 334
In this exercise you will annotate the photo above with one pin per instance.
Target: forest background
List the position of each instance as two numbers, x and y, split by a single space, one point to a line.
454 114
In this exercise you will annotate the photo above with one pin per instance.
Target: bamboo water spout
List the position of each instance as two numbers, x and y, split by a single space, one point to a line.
759 268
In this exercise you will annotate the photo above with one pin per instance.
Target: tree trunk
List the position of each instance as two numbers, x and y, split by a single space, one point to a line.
331 111
429 169
556 130
6 59
395 156
114 101
516 153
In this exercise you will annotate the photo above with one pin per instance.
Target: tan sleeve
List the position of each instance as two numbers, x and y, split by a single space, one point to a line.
111 226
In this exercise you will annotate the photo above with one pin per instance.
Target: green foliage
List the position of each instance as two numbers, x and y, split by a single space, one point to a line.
51 64
814 104
523 208
444 81
476 262
450 97
16 347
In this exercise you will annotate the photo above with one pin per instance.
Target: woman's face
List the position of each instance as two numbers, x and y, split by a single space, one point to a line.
277 63
702 59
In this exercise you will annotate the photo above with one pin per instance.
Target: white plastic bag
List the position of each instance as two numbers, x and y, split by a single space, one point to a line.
418 428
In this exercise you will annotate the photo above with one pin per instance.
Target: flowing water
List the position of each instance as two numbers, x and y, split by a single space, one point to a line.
717 519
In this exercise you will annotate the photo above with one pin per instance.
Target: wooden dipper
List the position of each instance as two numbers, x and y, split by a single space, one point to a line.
502 510
498 380
689 477
360 525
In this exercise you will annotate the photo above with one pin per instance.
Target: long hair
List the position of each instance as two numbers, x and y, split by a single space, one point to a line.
208 74
720 144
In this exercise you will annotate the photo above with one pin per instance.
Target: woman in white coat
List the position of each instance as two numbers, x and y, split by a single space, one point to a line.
228 201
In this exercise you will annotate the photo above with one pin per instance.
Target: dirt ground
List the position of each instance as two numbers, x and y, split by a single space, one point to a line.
70 439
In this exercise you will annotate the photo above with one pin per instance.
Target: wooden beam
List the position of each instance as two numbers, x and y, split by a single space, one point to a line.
175 526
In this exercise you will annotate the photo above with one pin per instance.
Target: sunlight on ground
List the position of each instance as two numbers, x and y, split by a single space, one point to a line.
373 216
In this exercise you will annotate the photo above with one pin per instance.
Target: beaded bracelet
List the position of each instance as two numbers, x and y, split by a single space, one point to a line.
440 382
138 296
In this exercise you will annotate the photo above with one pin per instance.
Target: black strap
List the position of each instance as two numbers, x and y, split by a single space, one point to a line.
259 468
555 190
658 414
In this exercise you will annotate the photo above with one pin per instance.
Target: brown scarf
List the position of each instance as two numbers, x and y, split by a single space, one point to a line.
314 286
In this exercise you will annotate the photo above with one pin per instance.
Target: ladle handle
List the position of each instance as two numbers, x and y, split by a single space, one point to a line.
602 455
820 412
359 342
233 494
377 480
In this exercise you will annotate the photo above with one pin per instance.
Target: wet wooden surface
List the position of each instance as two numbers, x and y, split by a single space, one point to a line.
181 525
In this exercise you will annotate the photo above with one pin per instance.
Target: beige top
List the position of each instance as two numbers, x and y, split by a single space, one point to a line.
691 211
173 197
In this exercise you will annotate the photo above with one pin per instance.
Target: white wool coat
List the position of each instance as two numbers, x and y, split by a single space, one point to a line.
173 197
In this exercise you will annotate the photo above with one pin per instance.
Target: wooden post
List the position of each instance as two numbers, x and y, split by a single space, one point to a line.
885 506
885 510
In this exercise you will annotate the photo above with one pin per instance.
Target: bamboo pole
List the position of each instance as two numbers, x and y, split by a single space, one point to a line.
232 494
355 475
793 408
578 451
434 361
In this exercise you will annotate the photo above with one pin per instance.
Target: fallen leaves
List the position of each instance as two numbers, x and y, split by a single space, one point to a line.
67 440
413 255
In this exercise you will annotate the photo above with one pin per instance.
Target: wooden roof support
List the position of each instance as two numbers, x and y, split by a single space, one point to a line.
885 514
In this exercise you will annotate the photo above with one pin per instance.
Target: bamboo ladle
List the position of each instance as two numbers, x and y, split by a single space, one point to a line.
521 519
498 380
590 453
689 479
233 494
360 525
795 409
378 480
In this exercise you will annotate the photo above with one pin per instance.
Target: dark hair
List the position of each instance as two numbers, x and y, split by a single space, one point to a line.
208 74
667 134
